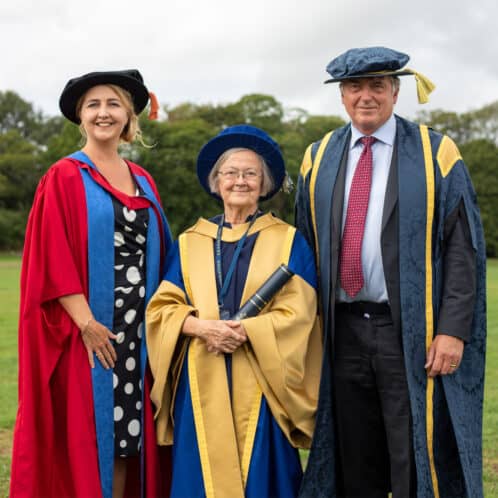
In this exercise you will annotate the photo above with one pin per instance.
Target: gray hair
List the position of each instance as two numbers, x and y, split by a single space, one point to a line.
396 82
267 184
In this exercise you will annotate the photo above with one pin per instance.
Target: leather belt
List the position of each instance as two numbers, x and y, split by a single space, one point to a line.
364 307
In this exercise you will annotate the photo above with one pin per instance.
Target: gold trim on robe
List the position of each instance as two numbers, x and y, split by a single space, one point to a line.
314 174
429 316
447 155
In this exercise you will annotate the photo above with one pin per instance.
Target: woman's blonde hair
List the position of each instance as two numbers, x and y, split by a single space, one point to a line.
131 131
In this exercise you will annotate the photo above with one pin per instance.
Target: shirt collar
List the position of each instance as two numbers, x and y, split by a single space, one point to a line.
385 134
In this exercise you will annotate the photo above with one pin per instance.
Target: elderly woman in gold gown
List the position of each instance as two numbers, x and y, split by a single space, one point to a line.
236 398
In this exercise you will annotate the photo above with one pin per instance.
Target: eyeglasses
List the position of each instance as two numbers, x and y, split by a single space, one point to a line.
233 174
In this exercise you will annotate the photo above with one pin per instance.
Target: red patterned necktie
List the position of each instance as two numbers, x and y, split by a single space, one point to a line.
351 273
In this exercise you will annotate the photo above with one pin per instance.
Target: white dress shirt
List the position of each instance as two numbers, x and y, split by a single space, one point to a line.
374 288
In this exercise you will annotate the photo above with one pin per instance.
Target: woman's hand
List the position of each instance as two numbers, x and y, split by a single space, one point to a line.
96 336
220 336
97 339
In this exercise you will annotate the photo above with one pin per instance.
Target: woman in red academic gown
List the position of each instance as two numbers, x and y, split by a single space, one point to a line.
93 255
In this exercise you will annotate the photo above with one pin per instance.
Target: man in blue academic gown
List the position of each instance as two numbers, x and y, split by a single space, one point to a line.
390 209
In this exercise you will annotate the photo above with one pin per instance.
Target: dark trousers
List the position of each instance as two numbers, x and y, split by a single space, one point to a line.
372 409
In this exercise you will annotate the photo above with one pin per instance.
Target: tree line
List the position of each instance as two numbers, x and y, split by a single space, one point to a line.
30 142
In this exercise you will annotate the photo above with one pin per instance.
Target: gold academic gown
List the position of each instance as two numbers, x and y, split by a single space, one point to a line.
280 362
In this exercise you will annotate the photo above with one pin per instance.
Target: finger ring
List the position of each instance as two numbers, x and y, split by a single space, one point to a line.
453 365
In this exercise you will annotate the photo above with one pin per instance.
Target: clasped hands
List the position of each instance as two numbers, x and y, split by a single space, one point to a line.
444 355
220 336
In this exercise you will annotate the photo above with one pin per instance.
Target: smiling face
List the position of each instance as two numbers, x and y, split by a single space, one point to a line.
103 114
240 179
369 101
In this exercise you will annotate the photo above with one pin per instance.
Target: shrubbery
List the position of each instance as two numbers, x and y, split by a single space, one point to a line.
30 142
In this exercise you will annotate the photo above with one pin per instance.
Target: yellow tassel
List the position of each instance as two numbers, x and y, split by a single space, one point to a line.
424 86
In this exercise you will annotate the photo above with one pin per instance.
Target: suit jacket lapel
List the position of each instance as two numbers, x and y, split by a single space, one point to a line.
391 196
337 215
389 239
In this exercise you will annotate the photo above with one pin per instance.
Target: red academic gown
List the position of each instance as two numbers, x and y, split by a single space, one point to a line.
55 450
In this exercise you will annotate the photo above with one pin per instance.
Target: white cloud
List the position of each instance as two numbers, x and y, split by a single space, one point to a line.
219 50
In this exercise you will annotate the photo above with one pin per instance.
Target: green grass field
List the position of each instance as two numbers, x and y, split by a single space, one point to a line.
490 430
9 299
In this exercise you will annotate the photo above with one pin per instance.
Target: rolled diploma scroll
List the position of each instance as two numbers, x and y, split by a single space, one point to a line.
265 293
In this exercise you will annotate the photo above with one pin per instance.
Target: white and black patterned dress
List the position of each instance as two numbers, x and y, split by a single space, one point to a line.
130 231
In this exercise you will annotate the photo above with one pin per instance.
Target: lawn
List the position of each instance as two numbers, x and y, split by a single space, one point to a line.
490 431
9 298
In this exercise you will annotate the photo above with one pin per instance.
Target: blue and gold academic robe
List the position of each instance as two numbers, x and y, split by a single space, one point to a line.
236 420
427 182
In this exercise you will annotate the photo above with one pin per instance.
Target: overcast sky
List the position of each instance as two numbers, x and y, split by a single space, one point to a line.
215 51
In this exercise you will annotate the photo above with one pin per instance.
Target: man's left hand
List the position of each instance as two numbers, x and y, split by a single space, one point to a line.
444 355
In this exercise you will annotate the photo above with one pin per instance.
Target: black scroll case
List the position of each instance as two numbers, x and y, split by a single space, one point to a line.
265 293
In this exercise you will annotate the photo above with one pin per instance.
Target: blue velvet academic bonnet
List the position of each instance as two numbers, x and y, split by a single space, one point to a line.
130 79
248 137
370 62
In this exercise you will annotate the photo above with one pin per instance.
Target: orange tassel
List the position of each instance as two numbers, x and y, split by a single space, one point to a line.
154 106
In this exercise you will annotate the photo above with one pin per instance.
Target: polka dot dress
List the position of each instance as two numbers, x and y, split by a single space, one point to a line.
129 305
